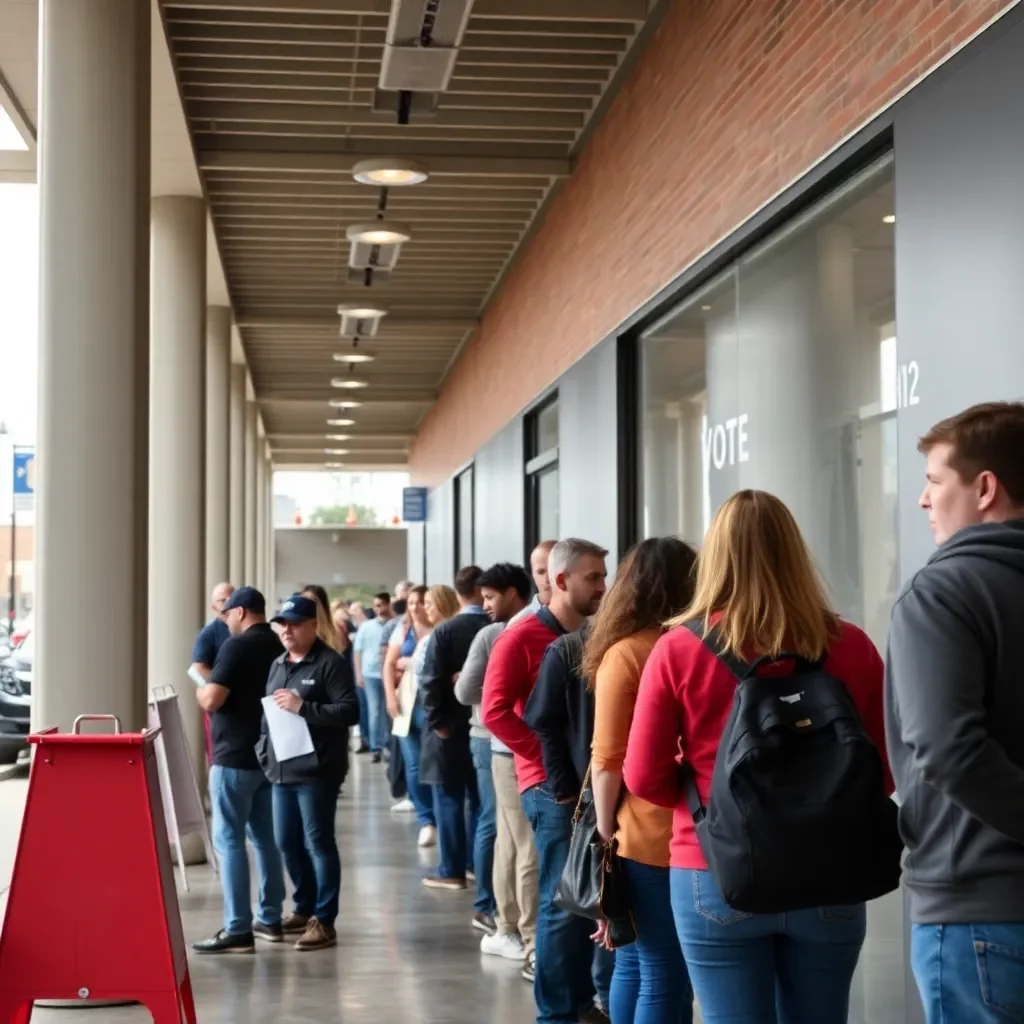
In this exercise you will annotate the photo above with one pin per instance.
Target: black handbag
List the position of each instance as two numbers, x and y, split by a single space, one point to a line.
592 883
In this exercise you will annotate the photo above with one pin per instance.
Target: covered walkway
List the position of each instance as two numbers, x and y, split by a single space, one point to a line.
404 953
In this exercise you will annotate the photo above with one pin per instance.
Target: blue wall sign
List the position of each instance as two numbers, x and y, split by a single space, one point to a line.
414 504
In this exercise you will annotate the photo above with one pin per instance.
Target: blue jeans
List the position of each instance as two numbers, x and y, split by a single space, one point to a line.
486 827
456 810
378 724
304 821
241 804
650 985
969 973
419 793
364 716
793 968
564 986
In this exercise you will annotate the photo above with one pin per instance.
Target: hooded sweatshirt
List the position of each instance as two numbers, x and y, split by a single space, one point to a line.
955 727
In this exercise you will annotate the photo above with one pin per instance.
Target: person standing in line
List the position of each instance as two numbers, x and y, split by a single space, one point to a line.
758 589
955 722
446 763
654 583
402 659
541 580
369 672
207 646
314 682
326 628
507 872
240 793
577 572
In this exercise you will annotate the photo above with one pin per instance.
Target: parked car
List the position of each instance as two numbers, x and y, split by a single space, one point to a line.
16 699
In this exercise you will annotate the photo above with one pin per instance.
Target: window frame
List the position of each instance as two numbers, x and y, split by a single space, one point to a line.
536 464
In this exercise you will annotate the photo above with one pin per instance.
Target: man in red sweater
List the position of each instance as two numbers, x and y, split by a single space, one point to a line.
563 988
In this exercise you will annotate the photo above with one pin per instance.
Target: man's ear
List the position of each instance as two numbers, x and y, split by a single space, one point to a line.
987 485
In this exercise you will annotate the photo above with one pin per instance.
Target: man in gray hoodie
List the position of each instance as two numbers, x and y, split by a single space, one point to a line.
955 722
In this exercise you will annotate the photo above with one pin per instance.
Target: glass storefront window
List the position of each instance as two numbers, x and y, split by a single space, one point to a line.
464 500
781 375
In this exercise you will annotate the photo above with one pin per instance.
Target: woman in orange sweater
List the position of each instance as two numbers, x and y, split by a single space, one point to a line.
654 582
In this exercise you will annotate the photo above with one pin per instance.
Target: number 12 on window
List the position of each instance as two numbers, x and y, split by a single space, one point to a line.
907 378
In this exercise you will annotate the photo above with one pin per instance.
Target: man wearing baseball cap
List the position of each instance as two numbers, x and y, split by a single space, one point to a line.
240 795
313 681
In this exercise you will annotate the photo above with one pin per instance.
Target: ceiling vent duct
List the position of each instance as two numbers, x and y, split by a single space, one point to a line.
422 44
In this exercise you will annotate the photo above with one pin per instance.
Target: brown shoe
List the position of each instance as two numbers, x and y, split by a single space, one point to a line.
451 884
295 924
316 936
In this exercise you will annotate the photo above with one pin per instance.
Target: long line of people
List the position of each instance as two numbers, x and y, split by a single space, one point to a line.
735 735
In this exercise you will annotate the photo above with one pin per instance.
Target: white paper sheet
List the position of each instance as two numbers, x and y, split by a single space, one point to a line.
289 734
196 676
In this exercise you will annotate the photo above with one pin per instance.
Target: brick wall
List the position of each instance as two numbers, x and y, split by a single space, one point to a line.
732 101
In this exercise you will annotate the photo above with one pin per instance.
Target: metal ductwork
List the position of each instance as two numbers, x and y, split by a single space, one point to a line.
422 44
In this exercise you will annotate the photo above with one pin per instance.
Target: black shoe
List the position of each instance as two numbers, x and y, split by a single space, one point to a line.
484 922
595 1015
268 932
363 748
223 942
376 757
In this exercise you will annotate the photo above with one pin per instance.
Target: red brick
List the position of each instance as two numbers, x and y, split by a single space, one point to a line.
733 100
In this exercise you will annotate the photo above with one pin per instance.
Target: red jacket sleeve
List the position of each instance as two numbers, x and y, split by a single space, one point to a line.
506 683
652 769
872 704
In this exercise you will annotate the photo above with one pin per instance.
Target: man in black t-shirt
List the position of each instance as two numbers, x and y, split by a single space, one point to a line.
239 790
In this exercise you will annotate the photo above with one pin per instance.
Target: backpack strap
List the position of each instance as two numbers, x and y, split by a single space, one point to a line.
712 640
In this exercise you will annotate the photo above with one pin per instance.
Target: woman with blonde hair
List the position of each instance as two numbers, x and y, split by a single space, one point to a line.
654 582
326 630
440 603
758 595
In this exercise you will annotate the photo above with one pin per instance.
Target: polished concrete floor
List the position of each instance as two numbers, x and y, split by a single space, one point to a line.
405 953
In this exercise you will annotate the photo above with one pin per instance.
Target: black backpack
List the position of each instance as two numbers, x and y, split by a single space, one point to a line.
798 814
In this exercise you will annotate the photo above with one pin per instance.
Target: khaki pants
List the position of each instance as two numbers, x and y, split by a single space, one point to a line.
516 889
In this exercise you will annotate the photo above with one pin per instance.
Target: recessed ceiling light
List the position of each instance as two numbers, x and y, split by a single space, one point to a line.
889 218
353 357
341 423
339 437
349 382
707 309
344 403
336 451
362 312
334 465
379 232
389 171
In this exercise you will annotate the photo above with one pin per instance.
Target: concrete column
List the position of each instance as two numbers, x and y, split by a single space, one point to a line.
93 449
236 497
177 473
271 548
250 493
261 510
218 445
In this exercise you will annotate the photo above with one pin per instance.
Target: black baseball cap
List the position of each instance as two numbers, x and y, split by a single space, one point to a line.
248 598
296 609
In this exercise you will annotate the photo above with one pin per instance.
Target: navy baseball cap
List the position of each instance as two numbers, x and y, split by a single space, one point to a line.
296 609
248 598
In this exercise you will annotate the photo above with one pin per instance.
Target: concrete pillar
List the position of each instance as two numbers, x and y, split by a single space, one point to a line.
261 509
250 493
236 497
271 548
218 445
93 449
177 474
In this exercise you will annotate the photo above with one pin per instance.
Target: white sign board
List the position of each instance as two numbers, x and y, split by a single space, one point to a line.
183 807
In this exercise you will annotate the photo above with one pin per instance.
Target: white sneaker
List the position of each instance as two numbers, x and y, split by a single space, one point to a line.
428 837
403 806
508 946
